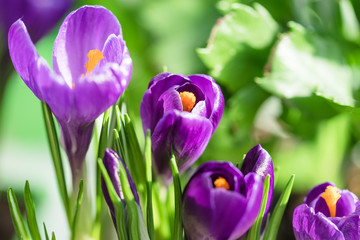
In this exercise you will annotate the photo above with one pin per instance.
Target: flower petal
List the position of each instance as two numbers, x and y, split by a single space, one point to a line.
23 54
254 192
187 133
308 225
214 98
83 30
96 93
259 161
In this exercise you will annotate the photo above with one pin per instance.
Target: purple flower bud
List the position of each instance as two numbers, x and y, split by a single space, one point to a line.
111 162
182 113
259 161
92 67
39 17
328 213
219 202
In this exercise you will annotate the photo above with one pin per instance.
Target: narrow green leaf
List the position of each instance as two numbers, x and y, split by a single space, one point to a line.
117 143
53 236
178 228
30 211
131 205
118 205
77 209
16 216
254 233
273 226
56 157
101 151
46 232
149 206
136 158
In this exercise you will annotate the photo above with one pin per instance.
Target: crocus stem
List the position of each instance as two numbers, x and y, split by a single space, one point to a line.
178 228
56 157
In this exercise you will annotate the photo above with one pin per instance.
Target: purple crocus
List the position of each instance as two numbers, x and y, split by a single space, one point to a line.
259 161
328 213
38 16
182 113
91 69
111 162
219 202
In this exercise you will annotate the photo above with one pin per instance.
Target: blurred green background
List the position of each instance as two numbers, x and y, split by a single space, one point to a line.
289 71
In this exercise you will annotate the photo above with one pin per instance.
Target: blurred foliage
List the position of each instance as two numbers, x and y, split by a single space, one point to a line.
289 71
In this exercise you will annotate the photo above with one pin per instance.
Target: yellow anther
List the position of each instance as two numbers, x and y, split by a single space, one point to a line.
331 196
188 100
221 182
94 58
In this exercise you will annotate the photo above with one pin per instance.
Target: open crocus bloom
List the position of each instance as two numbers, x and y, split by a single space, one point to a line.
219 202
182 113
91 69
328 213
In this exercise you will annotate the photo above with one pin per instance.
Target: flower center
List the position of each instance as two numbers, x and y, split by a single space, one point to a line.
221 182
188 100
331 196
94 58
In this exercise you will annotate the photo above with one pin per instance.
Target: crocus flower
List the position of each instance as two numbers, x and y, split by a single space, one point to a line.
39 16
91 69
328 213
259 161
219 202
111 162
182 113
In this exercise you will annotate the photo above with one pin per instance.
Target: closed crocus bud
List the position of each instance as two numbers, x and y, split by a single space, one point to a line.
259 161
328 213
182 113
219 202
111 162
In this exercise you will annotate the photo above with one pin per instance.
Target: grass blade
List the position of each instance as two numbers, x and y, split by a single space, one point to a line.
77 209
254 233
16 216
149 206
56 157
30 212
178 228
46 232
101 151
273 226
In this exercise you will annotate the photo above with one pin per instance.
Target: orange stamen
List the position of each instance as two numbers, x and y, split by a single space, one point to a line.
73 85
331 196
94 58
221 182
188 100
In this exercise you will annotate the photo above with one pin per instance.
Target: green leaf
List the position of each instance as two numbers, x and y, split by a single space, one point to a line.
178 227
56 157
16 216
118 205
274 223
350 23
30 211
101 150
304 64
254 233
46 232
77 209
236 44
148 168
53 236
